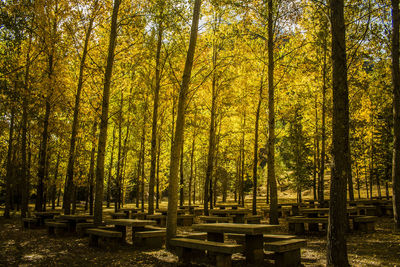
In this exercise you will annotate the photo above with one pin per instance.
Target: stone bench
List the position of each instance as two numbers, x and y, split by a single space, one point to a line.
185 220
296 224
186 248
29 223
82 227
214 219
364 223
95 234
159 218
150 239
253 219
239 238
285 253
139 215
196 235
56 228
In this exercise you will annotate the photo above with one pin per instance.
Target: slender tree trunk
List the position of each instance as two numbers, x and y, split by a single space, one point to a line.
255 159
316 152
54 183
158 173
192 164
181 182
75 122
142 169
180 123
98 206
118 176
91 168
273 214
110 167
341 170
321 182
9 166
396 114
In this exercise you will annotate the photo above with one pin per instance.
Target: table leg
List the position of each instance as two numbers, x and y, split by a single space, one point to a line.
254 248
137 229
122 229
216 237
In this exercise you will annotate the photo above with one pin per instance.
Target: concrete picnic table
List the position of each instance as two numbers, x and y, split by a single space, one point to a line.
136 225
73 219
165 211
254 243
42 215
237 215
129 211
222 206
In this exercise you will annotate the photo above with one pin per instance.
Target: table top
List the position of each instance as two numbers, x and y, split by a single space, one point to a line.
325 210
76 217
238 228
241 211
224 205
164 211
131 222
129 209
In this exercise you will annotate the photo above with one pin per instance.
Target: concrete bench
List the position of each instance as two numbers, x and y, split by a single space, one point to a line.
239 238
29 223
198 236
296 224
222 251
81 228
95 234
364 223
139 215
253 219
285 253
56 228
159 218
185 220
150 239
214 219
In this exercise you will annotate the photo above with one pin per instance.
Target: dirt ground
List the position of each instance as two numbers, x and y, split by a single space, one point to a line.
35 248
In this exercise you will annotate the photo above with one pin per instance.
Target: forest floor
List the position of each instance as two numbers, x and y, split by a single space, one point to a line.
35 248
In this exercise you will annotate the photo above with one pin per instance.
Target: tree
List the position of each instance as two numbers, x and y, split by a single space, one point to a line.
180 124
396 113
341 169
98 205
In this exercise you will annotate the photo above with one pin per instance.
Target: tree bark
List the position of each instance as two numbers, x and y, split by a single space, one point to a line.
9 166
396 114
110 167
98 206
75 122
341 169
180 123
91 168
273 215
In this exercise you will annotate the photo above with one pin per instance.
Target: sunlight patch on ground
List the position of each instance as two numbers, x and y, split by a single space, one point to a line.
163 255
33 257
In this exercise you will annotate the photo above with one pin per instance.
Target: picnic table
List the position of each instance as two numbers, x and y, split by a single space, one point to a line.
136 225
129 211
254 251
43 215
227 205
237 215
165 211
73 219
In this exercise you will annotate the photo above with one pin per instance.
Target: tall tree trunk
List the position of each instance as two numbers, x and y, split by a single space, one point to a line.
273 215
155 117
118 176
91 168
316 152
192 165
341 170
158 173
180 124
98 205
396 114
42 158
10 166
142 169
54 183
255 159
321 182
75 121
181 182
110 167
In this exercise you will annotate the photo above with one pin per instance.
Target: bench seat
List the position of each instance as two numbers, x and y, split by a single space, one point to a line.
296 224
266 238
185 220
222 251
364 223
95 233
56 228
253 219
150 239
285 252
119 215
198 236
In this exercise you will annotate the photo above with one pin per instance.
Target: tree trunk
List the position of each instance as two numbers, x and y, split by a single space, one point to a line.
91 168
98 206
110 167
180 123
192 165
341 170
158 173
118 176
181 182
54 183
273 215
10 166
396 114
75 122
